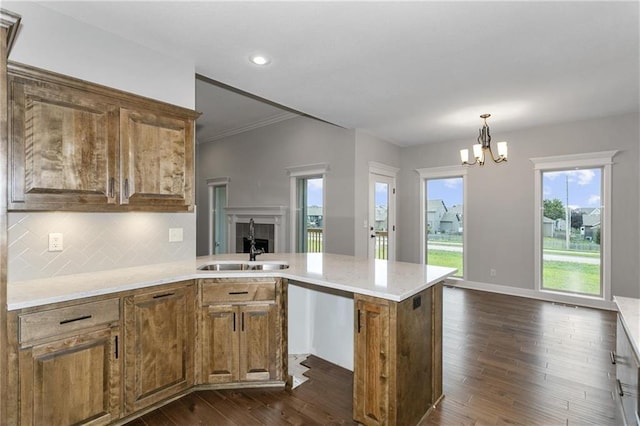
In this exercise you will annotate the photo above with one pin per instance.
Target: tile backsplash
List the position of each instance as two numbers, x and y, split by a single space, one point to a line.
95 242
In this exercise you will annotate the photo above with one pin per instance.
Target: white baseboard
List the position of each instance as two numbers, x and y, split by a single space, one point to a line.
533 294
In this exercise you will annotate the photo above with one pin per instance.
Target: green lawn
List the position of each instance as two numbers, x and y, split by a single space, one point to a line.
451 259
563 276
574 277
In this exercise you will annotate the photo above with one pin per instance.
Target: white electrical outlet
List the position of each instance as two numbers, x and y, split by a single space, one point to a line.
492 272
175 235
55 241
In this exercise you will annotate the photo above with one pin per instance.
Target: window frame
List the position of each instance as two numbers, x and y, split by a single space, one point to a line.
212 184
443 172
603 160
296 173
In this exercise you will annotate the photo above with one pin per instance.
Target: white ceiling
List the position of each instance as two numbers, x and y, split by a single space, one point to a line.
409 72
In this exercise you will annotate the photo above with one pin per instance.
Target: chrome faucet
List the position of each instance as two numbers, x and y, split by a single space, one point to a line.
253 251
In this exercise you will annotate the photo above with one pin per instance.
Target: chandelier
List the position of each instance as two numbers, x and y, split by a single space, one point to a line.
484 144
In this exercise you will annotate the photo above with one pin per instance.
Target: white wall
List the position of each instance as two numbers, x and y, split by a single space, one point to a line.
321 323
500 199
55 42
58 43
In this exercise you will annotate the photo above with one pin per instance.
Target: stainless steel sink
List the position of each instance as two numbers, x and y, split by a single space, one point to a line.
243 266
224 267
267 266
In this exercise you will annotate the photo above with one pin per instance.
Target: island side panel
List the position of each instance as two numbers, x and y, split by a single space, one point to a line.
398 357
415 355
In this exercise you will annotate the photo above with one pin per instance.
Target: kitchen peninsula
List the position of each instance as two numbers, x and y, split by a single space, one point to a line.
397 331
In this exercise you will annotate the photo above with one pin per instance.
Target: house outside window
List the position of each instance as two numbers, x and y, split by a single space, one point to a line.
573 222
443 193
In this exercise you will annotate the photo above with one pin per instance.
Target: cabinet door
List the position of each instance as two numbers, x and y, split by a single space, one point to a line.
158 346
71 381
371 367
258 342
157 160
220 344
63 147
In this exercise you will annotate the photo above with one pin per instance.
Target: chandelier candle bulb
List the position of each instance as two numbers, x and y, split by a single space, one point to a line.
464 155
477 151
502 149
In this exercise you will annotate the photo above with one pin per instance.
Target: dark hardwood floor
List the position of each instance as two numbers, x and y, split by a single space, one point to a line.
507 360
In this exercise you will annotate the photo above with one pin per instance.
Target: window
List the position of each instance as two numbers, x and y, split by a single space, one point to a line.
572 224
307 207
443 205
310 216
217 215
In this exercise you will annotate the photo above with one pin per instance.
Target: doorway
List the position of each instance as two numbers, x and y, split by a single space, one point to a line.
382 206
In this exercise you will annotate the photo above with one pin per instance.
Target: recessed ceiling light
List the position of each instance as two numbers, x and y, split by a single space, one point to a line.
259 60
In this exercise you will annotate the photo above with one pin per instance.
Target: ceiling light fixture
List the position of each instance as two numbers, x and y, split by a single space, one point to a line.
484 145
259 60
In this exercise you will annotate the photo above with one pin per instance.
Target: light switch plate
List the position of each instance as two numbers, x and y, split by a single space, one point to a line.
55 241
175 235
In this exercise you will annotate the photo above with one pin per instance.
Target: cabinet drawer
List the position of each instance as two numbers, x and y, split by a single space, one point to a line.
237 291
59 321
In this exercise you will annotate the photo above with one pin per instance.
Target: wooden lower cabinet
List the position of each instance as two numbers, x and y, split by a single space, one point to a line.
240 343
69 365
242 335
398 358
159 336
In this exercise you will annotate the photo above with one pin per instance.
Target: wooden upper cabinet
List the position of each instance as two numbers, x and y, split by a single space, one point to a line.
63 146
80 146
156 153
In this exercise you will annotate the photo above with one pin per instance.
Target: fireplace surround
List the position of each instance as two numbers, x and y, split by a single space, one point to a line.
270 227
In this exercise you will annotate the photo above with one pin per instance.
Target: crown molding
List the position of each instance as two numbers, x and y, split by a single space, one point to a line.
251 126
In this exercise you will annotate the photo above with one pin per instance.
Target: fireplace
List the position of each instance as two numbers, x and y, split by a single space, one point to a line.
269 228
261 244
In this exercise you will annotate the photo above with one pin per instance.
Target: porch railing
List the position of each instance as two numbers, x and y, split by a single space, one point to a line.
315 242
382 244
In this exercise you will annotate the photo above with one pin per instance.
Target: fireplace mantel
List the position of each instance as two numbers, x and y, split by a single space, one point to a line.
268 215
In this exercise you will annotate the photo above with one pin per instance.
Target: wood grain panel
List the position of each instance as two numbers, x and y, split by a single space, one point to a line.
55 322
71 381
414 358
62 145
371 368
238 291
221 344
258 359
157 153
158 346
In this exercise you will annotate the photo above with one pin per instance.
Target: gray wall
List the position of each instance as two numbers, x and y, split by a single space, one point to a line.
256 162
500 199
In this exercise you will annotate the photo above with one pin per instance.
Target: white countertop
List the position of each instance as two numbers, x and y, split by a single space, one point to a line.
629 309
379 278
